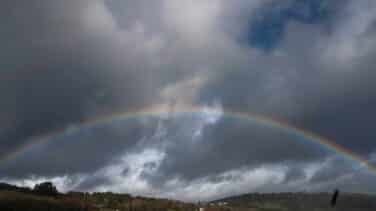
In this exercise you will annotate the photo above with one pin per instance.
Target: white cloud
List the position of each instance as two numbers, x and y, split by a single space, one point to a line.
183 92
125 175
240 181
194 20
353 38
63 183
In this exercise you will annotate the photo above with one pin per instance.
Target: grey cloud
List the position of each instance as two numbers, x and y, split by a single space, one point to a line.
93 182
333 169
81 151
227 145
295 173
302 82
60 67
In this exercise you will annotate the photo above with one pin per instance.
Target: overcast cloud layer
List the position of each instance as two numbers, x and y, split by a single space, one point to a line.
309 63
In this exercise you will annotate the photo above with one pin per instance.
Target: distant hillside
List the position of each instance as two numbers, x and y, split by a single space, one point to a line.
45 197
299 202
8 187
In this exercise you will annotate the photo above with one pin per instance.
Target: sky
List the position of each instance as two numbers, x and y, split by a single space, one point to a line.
139 96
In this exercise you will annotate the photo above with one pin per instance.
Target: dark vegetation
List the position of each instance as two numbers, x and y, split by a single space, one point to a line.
301 202
45 197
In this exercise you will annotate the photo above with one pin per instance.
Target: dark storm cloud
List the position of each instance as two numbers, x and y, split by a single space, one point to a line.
35 75
76 151
344 116
64 64
349 123
58 69
328 98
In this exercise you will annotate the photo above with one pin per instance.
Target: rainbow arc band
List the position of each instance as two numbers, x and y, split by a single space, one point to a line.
158 111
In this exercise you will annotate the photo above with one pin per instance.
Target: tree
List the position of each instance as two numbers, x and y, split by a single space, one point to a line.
46 188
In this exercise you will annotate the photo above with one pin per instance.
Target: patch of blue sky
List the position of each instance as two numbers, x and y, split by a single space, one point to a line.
267 27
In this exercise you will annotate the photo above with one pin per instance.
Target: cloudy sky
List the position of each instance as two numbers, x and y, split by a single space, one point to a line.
67 66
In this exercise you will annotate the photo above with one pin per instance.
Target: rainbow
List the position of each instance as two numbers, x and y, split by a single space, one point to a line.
163 110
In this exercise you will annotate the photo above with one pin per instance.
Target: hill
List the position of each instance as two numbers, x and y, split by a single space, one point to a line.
298 202
45 197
